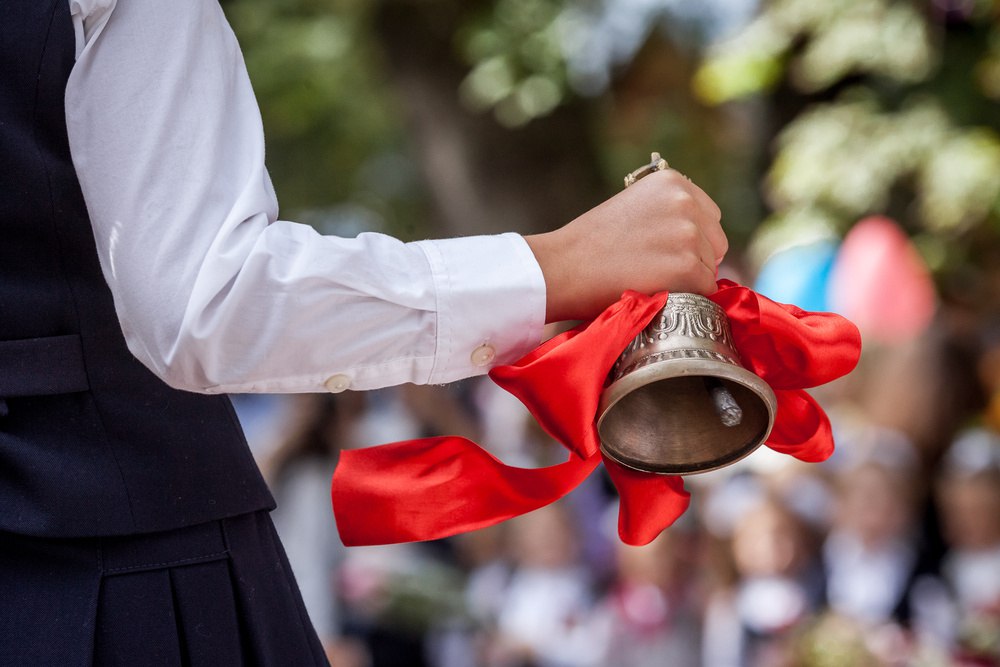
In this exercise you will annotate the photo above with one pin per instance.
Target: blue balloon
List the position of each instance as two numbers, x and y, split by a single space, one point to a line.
799 275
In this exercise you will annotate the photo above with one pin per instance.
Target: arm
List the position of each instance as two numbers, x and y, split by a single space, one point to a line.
215 294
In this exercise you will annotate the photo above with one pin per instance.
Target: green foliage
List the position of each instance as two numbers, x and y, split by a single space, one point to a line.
895 118
336 142
883 105
338 147
817 44
518 66
988 70
847 155
832 641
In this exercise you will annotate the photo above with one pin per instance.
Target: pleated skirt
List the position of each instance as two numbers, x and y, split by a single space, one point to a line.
216 594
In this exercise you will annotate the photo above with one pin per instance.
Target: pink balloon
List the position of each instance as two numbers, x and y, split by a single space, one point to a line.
880 282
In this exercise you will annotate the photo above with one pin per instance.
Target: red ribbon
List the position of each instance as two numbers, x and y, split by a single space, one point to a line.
435 487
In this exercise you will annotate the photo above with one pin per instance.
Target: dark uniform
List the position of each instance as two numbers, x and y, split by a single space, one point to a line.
133 519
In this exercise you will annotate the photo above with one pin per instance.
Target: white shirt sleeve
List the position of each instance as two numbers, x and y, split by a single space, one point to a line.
214 294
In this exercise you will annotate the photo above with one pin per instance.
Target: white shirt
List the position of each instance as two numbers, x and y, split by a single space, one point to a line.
867 583
214 294
974 575
546 609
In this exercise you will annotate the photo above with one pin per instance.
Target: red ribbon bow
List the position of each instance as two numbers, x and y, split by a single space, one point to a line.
436 487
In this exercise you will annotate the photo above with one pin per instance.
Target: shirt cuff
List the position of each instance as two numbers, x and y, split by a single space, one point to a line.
491 303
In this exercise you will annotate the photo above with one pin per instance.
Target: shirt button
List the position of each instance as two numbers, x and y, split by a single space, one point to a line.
483 355
337 383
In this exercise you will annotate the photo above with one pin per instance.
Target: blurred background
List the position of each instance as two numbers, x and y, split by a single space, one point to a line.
854 148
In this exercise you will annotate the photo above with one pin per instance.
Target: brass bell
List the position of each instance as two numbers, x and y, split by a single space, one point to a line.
679 401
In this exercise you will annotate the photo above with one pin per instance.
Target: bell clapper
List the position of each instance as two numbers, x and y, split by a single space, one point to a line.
729 411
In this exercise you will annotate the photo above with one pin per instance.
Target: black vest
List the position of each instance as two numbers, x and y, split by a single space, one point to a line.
91 443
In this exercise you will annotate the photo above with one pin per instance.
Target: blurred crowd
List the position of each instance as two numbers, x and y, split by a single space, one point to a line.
887 554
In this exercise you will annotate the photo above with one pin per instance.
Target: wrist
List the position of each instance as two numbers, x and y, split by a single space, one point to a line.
553 252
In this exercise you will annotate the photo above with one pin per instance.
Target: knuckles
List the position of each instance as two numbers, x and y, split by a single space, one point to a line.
686 232
689 263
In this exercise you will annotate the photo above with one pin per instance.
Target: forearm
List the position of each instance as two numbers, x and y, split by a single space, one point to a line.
212 292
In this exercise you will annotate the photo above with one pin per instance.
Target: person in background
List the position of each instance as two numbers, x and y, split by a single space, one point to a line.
777 586
651 615
969 499
543 599
871 552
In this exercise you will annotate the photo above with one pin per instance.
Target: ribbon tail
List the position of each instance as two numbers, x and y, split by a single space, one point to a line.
649 503
436 487
802 429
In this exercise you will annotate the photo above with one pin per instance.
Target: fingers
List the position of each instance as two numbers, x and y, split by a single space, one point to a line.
701 275
677 256
677 201
713 225
709 259
695 219
705 212
712 215
706 281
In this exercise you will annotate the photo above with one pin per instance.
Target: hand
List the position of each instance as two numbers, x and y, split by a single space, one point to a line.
661 233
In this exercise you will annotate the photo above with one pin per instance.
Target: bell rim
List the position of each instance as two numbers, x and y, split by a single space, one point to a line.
680 470
676 368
